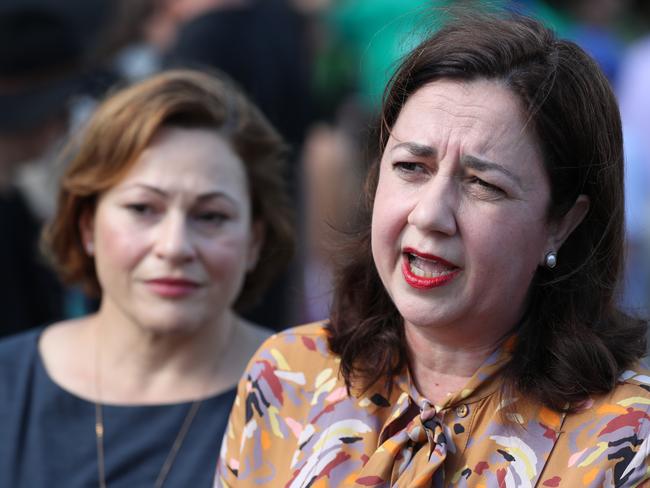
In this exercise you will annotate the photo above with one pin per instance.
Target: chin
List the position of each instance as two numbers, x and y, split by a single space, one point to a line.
166 329
170 324
423 314
426 321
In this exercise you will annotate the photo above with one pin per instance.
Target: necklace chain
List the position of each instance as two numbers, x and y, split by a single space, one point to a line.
99 433
99 438
171 456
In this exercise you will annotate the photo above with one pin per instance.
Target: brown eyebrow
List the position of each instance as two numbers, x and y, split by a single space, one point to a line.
425 151
202 197
483 165
419 150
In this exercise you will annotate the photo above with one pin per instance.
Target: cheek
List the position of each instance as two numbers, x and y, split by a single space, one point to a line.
228 255
390 212
383 231
118 246
506 248
389 220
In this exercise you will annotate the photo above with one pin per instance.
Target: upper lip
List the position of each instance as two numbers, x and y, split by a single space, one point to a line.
173 281
430 257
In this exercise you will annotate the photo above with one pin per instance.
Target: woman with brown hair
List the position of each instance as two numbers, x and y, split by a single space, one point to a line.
173 212
474 338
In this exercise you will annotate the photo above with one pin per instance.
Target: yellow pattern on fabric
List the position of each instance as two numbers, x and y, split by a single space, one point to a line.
389 435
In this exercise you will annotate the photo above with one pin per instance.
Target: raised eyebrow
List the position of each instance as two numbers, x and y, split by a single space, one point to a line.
483 165
418 150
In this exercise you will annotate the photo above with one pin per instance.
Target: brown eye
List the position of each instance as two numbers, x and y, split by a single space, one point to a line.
215 218
408 167
140 208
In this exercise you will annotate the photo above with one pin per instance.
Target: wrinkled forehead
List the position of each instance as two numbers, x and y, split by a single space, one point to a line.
485 113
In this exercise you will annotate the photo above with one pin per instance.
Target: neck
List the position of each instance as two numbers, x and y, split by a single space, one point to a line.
441 363
134 365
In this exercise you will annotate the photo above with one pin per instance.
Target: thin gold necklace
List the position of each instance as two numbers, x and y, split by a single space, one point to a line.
99 431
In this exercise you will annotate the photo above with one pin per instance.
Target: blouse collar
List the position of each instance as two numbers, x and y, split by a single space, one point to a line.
484 382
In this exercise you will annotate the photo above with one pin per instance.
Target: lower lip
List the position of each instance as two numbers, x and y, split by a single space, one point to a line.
425 283
171 290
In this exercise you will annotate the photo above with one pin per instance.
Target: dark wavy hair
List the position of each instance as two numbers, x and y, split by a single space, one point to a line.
122 128
573 340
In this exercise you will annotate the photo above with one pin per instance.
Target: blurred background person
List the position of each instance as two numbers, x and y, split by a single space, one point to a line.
261 44
174 213
42 68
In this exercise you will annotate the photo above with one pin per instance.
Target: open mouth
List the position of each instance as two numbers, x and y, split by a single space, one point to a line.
427 271
426 268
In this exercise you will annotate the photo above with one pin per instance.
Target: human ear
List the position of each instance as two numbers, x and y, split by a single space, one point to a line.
562 228
258 235
87 232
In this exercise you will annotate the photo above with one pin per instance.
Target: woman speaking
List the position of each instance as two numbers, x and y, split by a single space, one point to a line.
474 339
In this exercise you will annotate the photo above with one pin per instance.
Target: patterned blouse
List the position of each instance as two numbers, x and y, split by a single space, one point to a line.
295 425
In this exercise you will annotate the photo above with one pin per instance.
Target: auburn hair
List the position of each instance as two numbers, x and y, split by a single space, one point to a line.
122 128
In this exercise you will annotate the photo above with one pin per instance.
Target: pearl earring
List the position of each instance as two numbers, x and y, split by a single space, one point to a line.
550 260
90 248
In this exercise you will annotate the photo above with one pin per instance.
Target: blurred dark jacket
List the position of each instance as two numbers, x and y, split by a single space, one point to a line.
261 45
30 295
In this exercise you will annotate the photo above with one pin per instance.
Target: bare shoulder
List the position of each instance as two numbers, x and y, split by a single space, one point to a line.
64 349
253 335
60 338
246 338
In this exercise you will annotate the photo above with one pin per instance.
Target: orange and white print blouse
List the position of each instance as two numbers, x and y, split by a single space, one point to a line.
295 425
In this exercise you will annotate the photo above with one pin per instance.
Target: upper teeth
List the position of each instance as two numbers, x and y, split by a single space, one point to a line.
434 269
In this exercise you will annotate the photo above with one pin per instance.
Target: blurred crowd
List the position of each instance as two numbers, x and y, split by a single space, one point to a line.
316 68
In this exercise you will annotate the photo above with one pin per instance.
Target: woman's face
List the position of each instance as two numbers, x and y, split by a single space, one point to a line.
459 221
174 239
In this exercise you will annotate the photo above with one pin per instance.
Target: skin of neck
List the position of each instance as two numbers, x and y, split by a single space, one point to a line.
442 360
137 365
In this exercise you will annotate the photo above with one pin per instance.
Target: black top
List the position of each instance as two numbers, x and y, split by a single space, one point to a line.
47 434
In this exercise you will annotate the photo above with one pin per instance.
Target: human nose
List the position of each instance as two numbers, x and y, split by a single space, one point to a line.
435 207
173 241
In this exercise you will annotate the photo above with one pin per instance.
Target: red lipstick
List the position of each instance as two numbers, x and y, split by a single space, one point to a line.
172 287
442 277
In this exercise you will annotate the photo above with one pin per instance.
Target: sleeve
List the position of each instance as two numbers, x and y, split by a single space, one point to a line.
232 444
256 437
269 419
626 435
637 471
